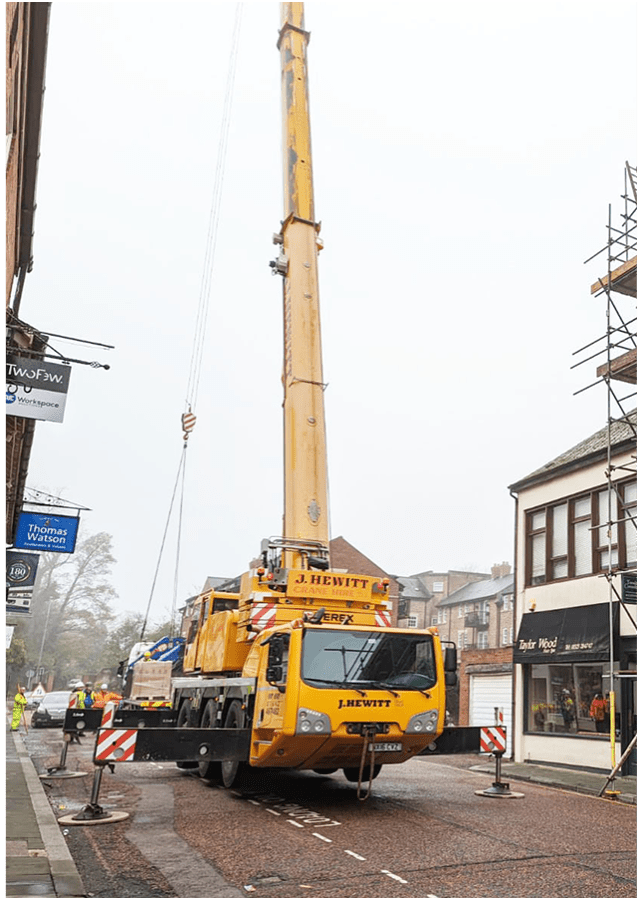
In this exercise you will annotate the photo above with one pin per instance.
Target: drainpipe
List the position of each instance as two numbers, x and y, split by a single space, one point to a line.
515 497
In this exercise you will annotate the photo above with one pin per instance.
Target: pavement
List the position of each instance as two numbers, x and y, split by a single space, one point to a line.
39 862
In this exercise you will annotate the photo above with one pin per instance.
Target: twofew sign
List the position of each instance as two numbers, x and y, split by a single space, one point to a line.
36 389
21 569
47 533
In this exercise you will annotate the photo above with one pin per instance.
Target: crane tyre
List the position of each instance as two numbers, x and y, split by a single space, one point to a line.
183 721
209 770
233 771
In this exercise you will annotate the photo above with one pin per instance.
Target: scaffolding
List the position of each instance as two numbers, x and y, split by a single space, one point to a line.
616 353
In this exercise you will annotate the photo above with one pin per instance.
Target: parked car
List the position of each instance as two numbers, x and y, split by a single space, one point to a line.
52 710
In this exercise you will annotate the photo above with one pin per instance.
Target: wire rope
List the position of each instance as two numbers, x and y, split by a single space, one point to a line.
198 345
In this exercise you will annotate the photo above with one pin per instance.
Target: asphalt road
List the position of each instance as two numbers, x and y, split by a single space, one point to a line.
423 832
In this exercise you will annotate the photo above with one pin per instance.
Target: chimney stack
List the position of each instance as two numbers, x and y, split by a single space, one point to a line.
501 570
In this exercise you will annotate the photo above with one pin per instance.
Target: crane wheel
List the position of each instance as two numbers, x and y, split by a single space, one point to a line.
209 770
232 771
183 721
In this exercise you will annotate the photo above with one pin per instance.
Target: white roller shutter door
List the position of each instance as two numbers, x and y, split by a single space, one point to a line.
487 692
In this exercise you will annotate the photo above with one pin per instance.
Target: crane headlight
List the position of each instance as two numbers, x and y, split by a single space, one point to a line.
423 723
310 721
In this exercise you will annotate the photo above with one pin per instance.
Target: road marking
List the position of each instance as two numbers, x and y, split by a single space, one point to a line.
321 837
394 876
295 823
355 855
253 801
272 812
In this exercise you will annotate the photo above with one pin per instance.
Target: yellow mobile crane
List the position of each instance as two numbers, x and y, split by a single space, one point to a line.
303 657
297 665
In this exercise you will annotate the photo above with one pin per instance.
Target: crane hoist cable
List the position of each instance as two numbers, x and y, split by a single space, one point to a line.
188 418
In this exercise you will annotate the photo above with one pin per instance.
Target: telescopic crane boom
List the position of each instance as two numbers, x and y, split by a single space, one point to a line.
305 522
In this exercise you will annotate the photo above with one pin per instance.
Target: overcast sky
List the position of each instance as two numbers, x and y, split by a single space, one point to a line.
464 158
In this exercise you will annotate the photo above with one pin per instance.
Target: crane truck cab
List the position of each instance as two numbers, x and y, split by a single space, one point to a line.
309 663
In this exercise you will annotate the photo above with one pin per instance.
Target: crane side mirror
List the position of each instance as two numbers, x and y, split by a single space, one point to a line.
449 659
275 669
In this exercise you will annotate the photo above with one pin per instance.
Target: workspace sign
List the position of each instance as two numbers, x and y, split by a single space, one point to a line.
36 389
46 533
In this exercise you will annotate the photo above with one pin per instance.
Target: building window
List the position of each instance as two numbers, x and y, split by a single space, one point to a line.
437 587
507 636
508 602
412 621
570 539
462 639
568 699
434 620
442 616
483 641
460 611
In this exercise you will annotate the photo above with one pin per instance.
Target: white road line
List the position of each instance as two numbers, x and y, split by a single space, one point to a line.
295 823
321 837
253 801
272 812
393 876
355 855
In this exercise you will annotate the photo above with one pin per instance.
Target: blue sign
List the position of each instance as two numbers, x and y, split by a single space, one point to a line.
46 533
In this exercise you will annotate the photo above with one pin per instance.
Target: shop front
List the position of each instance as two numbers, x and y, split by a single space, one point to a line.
564 657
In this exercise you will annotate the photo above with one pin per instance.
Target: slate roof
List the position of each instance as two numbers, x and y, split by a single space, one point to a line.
479 591
413 588
622 432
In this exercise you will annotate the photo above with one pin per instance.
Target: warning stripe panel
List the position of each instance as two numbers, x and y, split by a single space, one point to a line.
383 619
116 745
493 739
263 615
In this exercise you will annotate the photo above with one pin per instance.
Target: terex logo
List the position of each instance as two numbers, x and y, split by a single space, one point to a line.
342 618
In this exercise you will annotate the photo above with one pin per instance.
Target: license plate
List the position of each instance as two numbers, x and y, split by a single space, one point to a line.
385 747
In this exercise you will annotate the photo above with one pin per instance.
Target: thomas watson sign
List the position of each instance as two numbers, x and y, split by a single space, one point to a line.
47 533
36 389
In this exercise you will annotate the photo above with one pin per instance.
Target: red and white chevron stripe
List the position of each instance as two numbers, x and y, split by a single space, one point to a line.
383 619
263 615
115 745
493 739
107 715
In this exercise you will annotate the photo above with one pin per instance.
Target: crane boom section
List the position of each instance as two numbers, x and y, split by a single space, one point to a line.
305 450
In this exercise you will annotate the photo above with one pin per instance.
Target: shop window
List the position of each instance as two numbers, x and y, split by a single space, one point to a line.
568 699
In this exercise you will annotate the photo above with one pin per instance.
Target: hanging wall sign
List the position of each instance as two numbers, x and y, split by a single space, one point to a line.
36 389
21 569
47 533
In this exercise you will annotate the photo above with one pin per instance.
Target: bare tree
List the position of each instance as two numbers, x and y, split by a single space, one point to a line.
72 607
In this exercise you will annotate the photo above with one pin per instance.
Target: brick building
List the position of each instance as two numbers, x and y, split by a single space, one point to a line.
345 557
26 35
